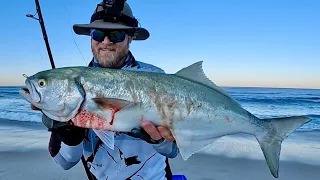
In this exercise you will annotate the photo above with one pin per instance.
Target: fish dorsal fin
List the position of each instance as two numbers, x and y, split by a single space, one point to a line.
195 73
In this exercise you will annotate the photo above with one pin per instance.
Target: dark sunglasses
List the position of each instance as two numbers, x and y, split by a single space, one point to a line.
114 36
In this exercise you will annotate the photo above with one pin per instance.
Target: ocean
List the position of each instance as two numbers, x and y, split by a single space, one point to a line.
262 102
21 128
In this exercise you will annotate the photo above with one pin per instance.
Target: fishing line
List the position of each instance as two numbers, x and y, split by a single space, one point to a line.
38 47
74 40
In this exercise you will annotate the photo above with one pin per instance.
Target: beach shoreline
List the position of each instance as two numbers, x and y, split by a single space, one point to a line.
37 164
24 155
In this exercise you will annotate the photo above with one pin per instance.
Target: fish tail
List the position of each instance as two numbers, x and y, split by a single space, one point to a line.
270 140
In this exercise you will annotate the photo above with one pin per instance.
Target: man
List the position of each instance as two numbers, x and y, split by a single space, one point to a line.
141 154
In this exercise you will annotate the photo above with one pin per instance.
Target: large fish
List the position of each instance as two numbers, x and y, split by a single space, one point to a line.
196 111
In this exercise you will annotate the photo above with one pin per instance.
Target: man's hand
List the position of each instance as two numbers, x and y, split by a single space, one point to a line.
68 134
157 133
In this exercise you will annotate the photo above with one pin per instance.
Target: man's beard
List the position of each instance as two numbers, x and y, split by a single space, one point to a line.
111 60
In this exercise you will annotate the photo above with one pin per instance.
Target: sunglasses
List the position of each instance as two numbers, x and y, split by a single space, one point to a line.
114 36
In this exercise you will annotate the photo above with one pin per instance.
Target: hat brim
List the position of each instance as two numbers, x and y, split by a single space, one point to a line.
84 29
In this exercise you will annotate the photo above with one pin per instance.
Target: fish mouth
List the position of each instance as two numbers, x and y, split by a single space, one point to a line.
25 90
30 93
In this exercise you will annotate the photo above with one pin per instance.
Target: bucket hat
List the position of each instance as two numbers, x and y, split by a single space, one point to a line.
101 20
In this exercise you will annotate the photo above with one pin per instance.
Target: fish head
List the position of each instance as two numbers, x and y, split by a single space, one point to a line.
56 92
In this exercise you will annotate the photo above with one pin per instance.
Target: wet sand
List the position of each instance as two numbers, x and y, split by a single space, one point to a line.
24 155
38 165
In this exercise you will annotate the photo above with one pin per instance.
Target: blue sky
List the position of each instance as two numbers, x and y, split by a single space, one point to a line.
242 43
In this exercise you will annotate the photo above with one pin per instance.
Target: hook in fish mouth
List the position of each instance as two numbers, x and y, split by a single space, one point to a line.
25 90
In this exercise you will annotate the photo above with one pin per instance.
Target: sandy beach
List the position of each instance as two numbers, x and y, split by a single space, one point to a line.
23 155
38 165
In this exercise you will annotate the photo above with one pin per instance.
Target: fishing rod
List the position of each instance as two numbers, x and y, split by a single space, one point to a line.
45 37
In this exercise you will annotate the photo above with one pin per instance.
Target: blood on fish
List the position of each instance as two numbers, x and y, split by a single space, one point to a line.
114 106
112 115
89 120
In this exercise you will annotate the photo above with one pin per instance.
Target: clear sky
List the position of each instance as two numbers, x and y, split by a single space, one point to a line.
242 43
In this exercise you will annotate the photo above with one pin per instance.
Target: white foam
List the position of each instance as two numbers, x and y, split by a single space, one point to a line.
21 116
247 147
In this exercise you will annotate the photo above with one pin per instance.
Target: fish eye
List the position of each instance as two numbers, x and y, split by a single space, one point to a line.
41 82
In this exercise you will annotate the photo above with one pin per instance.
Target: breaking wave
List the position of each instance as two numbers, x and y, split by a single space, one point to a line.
262 102
21 116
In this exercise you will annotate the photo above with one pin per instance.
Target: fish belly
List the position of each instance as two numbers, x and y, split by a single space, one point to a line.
200 129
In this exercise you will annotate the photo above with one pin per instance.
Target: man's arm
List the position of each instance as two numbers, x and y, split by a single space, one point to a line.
66 144
167 147
64 155
152 136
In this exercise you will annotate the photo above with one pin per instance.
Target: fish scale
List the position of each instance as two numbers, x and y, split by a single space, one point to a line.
192 107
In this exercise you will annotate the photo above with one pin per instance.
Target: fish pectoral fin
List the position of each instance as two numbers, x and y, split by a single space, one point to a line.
189 147
112 103
107 137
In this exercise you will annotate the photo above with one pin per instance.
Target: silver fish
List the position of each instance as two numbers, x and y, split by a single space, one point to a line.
196 110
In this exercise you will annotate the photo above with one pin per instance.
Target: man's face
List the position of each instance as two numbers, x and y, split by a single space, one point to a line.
109 54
